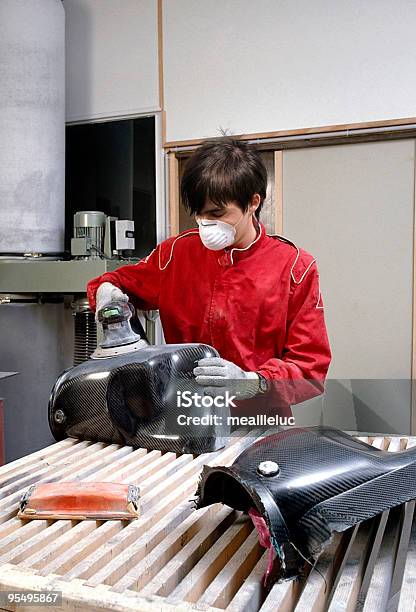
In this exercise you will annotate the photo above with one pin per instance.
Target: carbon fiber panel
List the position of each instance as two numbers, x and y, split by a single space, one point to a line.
326 481
131 399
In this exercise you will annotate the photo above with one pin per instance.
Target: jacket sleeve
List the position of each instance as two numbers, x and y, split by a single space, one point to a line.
301 371
140 281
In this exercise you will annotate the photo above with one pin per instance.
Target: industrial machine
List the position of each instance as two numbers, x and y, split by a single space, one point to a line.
98 236
100 243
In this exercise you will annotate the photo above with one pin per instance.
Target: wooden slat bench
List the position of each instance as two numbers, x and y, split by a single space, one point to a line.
176 559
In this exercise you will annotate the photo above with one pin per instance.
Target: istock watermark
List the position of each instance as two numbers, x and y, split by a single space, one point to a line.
187 399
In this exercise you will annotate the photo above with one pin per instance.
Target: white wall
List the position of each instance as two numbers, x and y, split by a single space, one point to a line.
284 64
352 207
111 58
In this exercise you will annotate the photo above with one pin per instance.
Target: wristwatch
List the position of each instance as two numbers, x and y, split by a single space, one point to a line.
263 384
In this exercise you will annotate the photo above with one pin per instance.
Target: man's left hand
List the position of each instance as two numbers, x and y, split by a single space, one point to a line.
217 375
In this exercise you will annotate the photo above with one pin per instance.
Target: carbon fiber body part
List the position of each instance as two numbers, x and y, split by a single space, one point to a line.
132 399
307 483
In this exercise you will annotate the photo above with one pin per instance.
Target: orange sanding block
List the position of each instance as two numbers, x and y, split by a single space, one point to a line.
80 500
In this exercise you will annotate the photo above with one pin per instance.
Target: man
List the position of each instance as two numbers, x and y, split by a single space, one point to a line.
253 297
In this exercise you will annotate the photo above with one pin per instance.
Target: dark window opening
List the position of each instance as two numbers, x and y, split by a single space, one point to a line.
111 167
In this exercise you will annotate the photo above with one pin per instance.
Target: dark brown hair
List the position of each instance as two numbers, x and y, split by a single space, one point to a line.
222 171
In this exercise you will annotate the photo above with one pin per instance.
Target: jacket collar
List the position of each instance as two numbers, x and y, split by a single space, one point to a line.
230 256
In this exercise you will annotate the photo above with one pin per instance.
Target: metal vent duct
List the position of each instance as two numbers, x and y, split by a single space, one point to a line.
32 126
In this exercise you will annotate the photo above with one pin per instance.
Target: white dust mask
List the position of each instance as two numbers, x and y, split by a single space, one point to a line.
216 235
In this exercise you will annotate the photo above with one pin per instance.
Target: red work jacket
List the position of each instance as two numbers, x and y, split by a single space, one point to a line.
260 306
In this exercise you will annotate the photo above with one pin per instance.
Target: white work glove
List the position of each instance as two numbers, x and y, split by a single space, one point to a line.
217 375
107 293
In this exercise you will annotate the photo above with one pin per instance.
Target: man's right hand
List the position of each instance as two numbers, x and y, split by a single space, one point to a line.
107 293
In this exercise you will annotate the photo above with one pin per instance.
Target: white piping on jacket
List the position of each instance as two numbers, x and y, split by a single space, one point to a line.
305 272
319 296
173 245
303 276
242 249
247 247
145 260
196 232
296 259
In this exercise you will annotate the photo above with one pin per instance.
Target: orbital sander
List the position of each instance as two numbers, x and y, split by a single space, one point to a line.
118 335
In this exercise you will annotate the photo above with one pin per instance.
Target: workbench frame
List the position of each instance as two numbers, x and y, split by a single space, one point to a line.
177 559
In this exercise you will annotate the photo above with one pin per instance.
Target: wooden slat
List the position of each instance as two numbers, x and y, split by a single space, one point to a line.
379 588
44 454
380 526
408 590
42 554
141 573
403 590
408 512
251 594
69 472
284 595
345 596
169 570
378 591
205 571
26 477
62 468
116 571
318 588
224 586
